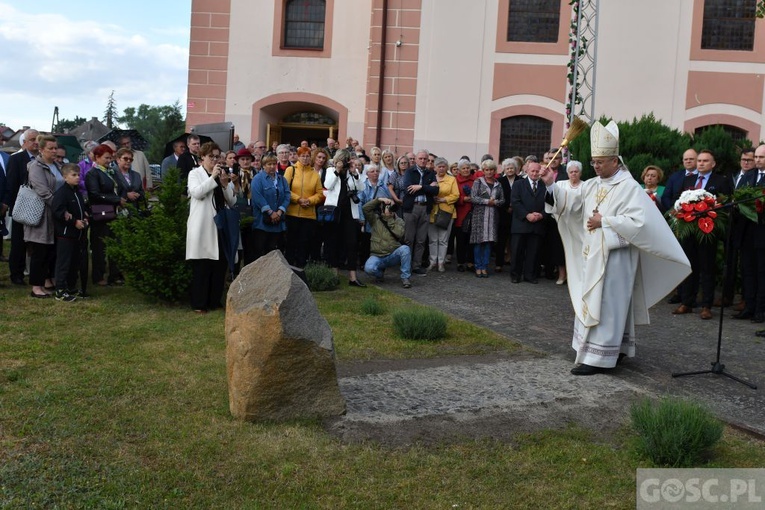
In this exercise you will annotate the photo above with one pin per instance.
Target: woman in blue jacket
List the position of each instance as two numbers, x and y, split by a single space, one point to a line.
270 198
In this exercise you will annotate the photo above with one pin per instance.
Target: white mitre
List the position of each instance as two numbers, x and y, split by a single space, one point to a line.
604 140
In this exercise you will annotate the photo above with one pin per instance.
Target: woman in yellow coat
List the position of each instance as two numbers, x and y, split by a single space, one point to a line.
305 194
438 235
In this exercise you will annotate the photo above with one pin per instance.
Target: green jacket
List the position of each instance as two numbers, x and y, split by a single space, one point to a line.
383 242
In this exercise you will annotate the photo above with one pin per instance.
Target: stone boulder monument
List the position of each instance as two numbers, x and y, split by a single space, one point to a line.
280 356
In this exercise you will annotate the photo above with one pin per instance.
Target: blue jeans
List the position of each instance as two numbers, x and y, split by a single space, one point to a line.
481 254
376 265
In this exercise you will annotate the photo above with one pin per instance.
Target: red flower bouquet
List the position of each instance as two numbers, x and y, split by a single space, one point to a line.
695 214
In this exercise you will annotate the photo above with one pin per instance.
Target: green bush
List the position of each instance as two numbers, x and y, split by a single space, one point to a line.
726 150
646 141
419 324
151 250
371 306
674 432
320 277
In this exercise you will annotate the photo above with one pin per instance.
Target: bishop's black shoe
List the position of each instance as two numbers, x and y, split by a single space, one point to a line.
584 369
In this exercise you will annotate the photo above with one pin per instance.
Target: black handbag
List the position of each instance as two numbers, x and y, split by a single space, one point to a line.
443 219
467 223
103 212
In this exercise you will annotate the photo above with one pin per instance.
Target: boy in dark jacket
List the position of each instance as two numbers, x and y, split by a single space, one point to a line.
70 219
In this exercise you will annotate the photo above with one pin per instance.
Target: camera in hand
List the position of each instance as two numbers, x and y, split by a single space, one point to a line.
354 196
389 208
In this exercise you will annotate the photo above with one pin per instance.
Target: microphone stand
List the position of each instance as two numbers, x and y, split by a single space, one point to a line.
717 367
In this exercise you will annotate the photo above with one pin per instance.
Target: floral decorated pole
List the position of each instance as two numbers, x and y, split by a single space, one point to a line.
582 39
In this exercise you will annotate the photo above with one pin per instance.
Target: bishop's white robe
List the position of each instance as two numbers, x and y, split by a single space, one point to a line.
615 273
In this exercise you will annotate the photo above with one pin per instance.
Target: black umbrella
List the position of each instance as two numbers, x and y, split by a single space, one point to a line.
139 142
227 221
169 145
72 146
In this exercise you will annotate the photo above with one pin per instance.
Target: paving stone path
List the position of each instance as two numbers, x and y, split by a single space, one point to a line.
443 399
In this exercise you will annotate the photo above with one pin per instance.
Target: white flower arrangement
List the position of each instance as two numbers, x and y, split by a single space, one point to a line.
691 196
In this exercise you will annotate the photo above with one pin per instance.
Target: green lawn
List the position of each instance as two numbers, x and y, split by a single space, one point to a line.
120 402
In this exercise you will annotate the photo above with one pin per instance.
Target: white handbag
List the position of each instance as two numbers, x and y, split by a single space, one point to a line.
29 207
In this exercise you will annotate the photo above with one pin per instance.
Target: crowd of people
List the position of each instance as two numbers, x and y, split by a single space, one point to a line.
76 203
352 210
461 212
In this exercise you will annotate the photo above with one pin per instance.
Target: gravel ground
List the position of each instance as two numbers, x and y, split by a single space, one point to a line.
401 402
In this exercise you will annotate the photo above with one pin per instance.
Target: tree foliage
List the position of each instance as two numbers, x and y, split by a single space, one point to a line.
65 125
725 149
158 124
646 141
151 249
110 114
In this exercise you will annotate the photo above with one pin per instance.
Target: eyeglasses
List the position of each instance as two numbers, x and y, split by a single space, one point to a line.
126 159
747 160
260 146
215 156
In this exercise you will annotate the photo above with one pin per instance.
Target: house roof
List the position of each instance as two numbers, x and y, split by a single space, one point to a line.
92 129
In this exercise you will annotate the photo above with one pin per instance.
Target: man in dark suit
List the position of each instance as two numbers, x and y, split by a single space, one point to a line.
746 176
3 205
528 199
421 186
701 254
509 176
753 253
16 176
674 184
552 256
189 160
672 189
555 164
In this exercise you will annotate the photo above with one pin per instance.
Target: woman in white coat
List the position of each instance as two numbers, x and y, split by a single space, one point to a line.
209 193
343 188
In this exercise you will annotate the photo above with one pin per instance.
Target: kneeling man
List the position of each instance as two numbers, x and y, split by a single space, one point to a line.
387 246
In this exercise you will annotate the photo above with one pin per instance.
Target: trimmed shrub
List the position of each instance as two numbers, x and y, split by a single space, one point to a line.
150 250
320 277
370 306
726 150
419 324
674 432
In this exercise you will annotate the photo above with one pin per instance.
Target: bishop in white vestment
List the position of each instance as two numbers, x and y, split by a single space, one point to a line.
621 254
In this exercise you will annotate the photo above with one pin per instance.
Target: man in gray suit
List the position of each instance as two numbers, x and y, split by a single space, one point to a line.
179 147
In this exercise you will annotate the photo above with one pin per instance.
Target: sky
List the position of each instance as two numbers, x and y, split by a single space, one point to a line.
73 54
